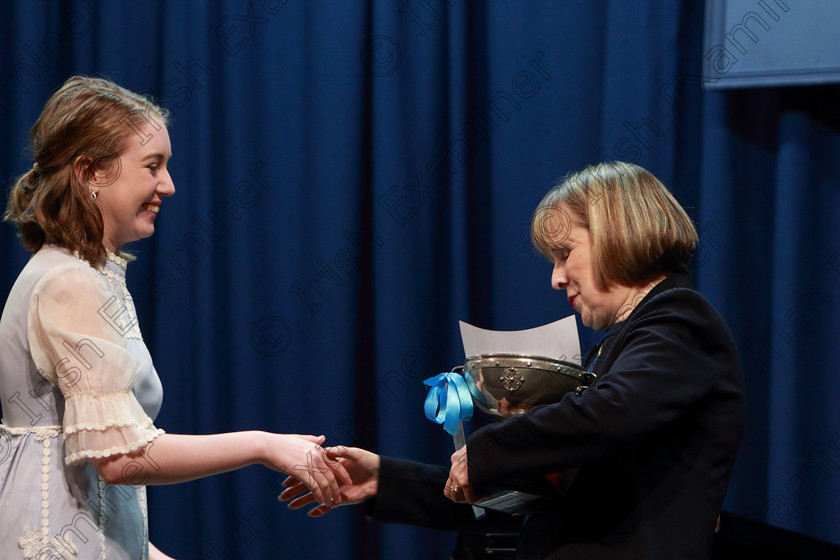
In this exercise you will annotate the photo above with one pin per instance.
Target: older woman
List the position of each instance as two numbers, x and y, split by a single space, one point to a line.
77 384
646 452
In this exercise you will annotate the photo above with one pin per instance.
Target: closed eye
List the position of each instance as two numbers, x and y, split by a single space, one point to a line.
560 254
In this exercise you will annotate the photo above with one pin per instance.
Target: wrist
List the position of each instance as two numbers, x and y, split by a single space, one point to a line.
261 442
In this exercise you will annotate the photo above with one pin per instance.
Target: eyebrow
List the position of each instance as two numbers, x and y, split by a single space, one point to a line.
156 156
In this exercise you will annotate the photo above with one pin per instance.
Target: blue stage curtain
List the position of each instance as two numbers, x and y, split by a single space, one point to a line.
354 177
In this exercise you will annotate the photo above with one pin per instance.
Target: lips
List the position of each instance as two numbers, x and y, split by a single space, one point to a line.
572 299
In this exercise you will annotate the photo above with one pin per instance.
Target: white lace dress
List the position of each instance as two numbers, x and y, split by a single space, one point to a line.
76 382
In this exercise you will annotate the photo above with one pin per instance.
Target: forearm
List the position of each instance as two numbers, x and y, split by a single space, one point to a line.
656 379
173 458
412 493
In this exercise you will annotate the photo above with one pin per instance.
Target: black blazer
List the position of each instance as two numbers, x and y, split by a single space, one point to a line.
646 452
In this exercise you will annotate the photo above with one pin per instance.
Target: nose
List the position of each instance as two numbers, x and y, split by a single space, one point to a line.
559 281
166 186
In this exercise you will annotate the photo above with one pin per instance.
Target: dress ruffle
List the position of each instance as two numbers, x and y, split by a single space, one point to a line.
101 412
97 426
88 445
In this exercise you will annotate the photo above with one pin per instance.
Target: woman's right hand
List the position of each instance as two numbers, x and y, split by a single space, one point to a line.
303 458
363 469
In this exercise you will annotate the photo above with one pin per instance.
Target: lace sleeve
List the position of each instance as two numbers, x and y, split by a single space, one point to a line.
75 347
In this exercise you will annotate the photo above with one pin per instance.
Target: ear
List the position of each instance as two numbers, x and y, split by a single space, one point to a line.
96 173
82 170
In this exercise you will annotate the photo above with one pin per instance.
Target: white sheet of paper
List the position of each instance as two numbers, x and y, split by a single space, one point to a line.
558 340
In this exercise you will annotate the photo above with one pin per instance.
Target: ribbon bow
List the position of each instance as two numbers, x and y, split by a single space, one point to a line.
449 400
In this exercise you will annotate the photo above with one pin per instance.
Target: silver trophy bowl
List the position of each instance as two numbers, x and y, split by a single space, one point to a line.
511 384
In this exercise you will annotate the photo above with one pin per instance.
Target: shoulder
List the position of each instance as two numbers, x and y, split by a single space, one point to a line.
680 341
59 276
679 306
53 264
681 323
69 298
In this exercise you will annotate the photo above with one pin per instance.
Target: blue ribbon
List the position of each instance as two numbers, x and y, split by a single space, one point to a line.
449 400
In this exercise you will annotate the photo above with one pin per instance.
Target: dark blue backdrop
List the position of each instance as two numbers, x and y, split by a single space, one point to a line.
354 177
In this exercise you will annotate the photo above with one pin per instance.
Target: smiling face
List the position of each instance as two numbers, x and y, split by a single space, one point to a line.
129 203
571 251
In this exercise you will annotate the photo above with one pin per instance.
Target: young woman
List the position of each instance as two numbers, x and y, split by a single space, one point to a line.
77 384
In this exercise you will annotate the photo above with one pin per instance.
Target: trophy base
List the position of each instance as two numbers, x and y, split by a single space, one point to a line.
522 497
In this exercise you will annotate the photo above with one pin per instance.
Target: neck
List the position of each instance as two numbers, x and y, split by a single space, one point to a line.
634 297
111 246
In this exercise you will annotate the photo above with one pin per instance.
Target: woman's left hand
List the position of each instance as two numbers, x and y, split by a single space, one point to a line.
458 487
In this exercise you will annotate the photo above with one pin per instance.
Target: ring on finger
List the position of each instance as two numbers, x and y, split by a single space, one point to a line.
454 489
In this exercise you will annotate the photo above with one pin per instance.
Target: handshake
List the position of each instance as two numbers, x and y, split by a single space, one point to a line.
357 475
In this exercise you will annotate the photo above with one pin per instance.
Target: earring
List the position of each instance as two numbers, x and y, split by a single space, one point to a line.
92 193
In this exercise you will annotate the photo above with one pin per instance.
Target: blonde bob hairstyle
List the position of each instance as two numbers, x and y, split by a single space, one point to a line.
78 138
639 232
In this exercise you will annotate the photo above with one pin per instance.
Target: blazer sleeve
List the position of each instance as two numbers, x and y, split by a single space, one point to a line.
412 493
678 351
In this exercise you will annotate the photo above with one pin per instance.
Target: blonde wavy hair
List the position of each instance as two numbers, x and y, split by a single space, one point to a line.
82 130
638 230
